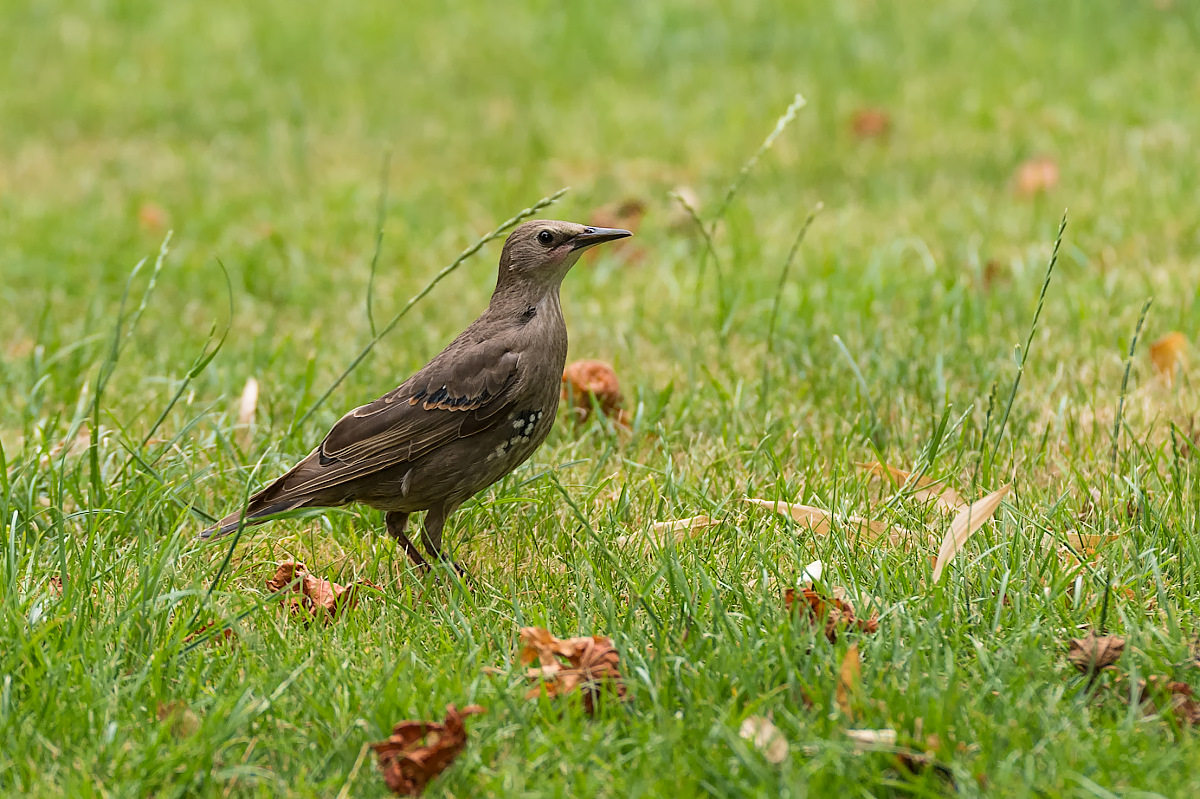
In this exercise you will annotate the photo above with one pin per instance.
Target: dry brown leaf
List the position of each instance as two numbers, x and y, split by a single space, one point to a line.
418 751
1037 175
870 123
1177 696
849 675
679 219
677 530
182 721
626 215
247 406
56 586
766 737
920 488
1094 653
76 446
965 525
1083 543
20 348
1166 353
314 594
870 739
832 613
821 521
992 274
588 381
592 665
152 217
225 636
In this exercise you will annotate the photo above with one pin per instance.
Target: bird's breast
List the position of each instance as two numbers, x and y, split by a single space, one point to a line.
521 433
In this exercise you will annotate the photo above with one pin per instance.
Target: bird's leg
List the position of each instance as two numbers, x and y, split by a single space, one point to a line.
397 523
431 533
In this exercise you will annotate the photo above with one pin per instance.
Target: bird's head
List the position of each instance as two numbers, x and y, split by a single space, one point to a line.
543 251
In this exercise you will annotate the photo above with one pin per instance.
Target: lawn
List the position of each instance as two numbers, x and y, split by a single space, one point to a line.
196 195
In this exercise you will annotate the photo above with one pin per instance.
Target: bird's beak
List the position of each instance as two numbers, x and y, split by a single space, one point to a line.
592 236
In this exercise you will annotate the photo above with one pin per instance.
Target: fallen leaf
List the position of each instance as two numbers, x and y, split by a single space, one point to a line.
1091 654
1081 543
314 593
152 218
766 737
247 406
20 348
1036 176
1166 353
626 215
76 446
677 530
822 521
1176 696
849 675
919 488
182 721
585 382
812 572
418 751
870 739
680 219
56 586
965 525
592 665
832 613
225 636
870 123
991 274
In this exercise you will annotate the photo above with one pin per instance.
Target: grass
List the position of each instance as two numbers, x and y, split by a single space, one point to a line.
256 133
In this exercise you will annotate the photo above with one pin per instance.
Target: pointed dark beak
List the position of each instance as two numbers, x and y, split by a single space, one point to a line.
592 236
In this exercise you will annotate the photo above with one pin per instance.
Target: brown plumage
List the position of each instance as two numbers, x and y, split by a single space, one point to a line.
473 414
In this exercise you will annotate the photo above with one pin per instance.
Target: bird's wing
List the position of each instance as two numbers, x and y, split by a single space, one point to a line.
449 399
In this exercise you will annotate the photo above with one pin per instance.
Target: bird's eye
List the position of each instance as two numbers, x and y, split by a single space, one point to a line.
546 237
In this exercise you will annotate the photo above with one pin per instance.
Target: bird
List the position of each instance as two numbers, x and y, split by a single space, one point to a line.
466 419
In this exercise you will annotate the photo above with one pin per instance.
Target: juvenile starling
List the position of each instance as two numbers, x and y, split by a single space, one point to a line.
469 417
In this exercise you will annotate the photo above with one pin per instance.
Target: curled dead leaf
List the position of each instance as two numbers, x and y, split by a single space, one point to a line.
247 407
920 488
182 721
766 737
1166 353
680 219
872 739
418 751
820 520
677 530
225 636
152 218
832 613
965 525
588 382
313 594
627 215
1165 694
871 123
592 660
1074 544
1036 176
849 676
1093 653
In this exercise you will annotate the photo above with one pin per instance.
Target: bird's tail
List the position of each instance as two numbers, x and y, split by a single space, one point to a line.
279 497
252 516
